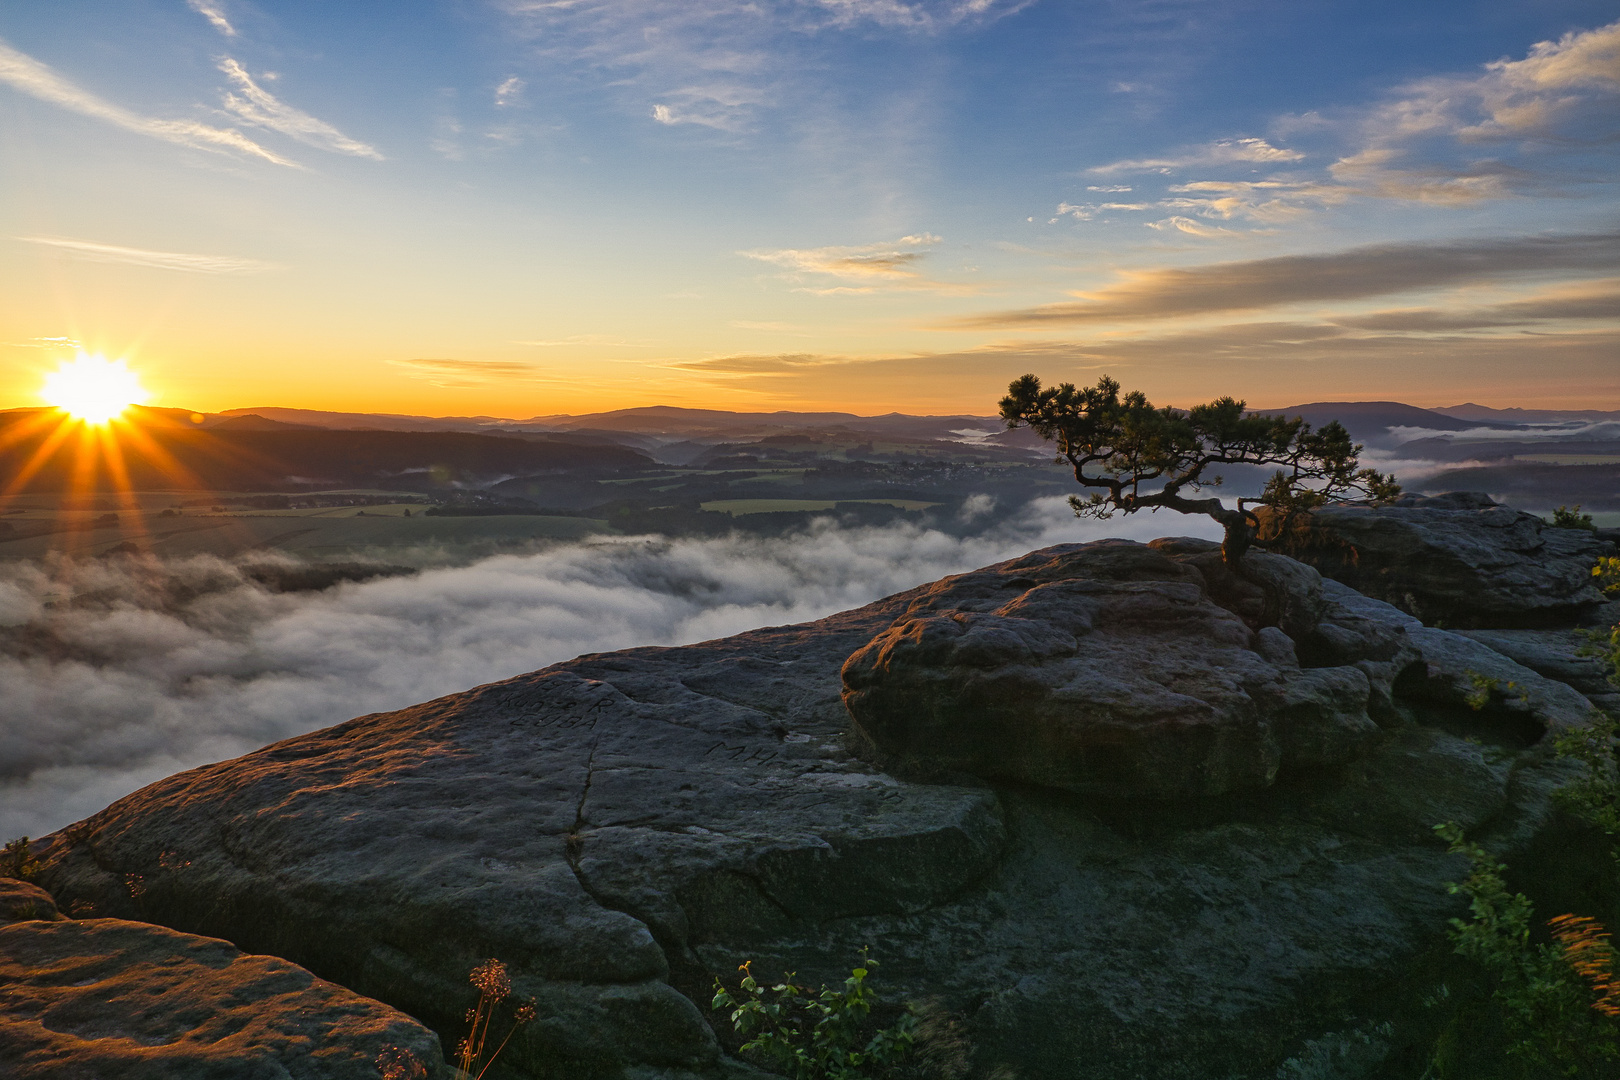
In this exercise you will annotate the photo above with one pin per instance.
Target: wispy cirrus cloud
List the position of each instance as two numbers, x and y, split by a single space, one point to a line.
1535 97
258 106
1088 211
1421 143
37 80
1258 200
91 251
930 17
723 106
1267 202
214 12
1382 172
891 260
1221 152
1587 300
1191 228
510 92
759 363
868 268
465 374
699 62
717 63
1357 273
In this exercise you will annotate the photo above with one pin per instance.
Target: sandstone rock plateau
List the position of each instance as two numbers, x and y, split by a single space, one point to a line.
1459 559
1126 815
110 998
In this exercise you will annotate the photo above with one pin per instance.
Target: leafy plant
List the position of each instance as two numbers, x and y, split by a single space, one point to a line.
16 861
1607 572
1543 1014
1565 518
815 1034
494 986
1484 687
1595 796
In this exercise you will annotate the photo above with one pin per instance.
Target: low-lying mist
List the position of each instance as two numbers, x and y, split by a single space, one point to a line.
117 672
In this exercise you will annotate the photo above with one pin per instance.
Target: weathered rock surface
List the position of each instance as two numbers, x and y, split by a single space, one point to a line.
106 998
622 827
1465 669
1112 670
1557 655
1458 559
20 902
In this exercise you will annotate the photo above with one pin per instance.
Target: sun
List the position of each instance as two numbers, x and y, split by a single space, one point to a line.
93 389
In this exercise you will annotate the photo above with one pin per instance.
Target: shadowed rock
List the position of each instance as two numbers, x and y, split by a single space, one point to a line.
621 828
1459 559
109 998
1112 669
1557 654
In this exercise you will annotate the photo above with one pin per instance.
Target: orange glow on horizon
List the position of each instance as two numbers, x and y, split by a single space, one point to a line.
93 389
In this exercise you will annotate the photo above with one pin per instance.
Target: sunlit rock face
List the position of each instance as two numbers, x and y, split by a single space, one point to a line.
1458 559
23 902
110 998
1118 669
623 828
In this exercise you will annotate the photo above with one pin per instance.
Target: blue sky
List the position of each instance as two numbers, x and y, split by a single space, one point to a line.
522 207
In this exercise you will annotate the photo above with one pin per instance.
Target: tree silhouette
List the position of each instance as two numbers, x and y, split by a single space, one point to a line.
1134 456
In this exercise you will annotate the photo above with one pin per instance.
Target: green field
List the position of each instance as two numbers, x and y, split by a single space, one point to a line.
740 507
320 532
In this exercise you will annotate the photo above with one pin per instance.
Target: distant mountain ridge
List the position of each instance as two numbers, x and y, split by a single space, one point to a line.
1376 422
249 452
255 422
622 458
646 427
680 435
1387 413
1470 411
672 420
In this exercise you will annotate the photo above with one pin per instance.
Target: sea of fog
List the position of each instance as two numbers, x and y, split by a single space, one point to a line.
115 673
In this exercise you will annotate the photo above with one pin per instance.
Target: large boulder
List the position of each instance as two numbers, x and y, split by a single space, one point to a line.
110 998
1112 669
1459 560
622 828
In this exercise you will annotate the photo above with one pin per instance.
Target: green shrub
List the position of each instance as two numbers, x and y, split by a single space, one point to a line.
1607 572
815 1034
16 861
1595 797
1485 688
1545 1015
1565 518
